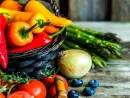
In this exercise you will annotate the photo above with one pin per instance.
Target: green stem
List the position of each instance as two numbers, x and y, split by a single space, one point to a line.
31 28
40 23
10 89
3 88
59 32
14 77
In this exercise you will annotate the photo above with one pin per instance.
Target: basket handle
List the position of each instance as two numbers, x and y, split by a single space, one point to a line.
54 6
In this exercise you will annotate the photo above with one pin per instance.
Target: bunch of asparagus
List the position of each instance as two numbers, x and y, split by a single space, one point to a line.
101 46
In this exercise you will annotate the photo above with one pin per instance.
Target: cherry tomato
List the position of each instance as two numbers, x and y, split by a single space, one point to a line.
20 94
49 83
2 95
35 88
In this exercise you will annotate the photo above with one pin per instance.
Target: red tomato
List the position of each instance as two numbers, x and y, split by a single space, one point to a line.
49 83
2 95
35 88
20 94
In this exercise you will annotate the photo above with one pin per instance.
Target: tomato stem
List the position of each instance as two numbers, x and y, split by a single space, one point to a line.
3 88
14 78
10 89
45 72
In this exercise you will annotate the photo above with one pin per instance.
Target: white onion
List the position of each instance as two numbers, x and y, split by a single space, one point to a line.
74 63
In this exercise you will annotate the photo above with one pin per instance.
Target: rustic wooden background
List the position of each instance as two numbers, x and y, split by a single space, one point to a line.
94 10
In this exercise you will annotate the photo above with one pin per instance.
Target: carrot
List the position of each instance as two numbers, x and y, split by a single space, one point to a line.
50 29
11 4
60 87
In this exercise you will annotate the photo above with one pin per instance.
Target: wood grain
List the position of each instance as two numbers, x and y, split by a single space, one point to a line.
88 10
115 76
114 81
121 10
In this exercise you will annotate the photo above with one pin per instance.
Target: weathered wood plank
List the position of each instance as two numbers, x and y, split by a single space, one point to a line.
88 9
121 10
114 78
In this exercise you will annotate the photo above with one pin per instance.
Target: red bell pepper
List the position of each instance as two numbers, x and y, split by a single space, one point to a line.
39 40
3 47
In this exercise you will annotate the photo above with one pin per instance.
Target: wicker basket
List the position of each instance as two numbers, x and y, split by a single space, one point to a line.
32 62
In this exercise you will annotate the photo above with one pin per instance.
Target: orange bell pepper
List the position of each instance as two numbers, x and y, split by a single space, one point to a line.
20 33
17 34
11 4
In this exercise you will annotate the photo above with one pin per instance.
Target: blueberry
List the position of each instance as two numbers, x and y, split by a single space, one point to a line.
77 82
93 83
73 94
88 91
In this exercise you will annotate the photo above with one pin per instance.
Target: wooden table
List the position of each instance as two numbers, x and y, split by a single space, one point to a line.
115 76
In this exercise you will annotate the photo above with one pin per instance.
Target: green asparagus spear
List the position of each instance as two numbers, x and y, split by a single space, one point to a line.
97 61
82 38
88 31
102 52
65 47
105 36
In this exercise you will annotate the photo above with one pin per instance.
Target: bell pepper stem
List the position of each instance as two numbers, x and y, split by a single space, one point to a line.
39 23
59 32
31 28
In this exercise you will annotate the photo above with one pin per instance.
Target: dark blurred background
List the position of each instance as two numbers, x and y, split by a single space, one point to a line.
94 10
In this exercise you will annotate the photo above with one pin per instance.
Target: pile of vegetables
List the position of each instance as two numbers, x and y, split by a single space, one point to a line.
31 26
101 46
25 28
15 86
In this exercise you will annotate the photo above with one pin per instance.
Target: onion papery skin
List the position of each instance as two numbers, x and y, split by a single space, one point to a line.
74 63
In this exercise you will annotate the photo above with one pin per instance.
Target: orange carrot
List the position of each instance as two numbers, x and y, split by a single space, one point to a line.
11 4
60 87
50 29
